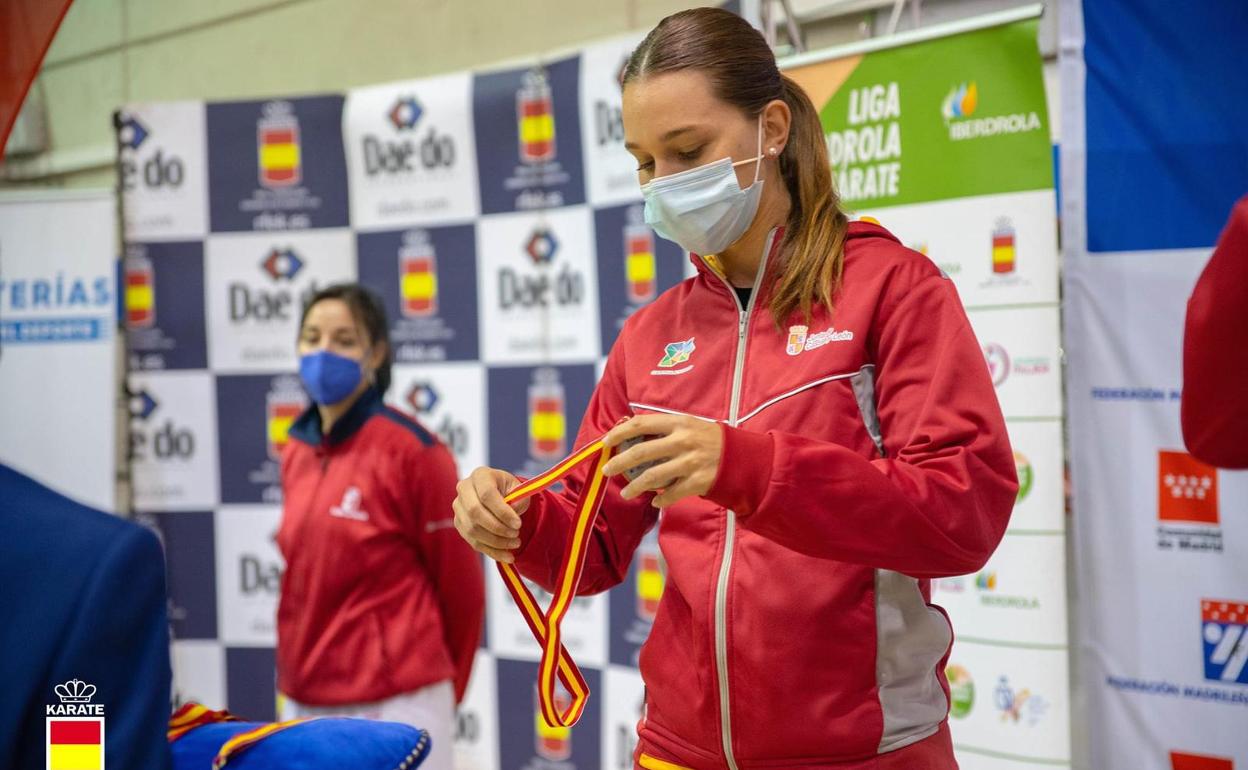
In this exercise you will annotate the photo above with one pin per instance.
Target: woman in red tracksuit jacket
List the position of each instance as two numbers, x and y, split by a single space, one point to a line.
381 603
826 434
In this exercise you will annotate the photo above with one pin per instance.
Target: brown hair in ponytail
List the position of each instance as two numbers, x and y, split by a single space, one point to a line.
817 226
743 72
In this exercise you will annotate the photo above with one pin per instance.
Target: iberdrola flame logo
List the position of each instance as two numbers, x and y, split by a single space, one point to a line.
961 101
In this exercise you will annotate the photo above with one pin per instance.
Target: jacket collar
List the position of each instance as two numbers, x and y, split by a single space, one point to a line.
861 228
709 266
307 428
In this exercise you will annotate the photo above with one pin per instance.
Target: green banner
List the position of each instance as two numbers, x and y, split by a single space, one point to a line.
946 118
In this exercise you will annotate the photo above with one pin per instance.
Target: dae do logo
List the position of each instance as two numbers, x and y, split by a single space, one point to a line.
413 147
277 300
156 172
542 288
154 436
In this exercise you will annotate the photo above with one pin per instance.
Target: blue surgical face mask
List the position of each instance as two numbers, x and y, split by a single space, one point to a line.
704 209
329 377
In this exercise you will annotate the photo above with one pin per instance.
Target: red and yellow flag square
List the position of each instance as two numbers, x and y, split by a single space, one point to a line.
75 743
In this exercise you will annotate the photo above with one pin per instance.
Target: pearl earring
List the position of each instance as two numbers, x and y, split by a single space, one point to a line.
772 152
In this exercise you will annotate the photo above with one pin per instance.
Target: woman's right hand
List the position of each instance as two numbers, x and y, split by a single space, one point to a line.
483 519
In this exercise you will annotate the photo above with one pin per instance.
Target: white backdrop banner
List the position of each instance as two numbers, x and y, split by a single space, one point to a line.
58 341
1155 152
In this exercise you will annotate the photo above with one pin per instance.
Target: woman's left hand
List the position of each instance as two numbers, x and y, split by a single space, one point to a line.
686 451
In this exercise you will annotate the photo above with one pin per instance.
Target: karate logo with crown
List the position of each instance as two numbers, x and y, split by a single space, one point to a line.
74 729
75 691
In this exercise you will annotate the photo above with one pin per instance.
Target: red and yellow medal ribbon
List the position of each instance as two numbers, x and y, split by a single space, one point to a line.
194 715
245 740
556 662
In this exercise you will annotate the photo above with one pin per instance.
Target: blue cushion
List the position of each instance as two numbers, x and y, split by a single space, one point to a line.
318 744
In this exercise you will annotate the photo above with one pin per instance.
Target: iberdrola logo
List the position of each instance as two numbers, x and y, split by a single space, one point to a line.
958 110
961 102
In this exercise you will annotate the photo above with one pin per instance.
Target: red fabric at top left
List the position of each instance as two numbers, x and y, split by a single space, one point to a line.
26 30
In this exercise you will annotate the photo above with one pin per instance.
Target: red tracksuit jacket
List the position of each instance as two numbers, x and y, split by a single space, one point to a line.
380 595
863 456
1215 356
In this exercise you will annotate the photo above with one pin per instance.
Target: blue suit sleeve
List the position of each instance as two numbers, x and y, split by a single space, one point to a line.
118 640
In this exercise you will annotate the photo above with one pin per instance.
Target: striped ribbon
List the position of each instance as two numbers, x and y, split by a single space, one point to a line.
245 740
194 715
556 662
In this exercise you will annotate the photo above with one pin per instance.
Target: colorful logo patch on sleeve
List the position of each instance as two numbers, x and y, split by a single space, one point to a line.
676 353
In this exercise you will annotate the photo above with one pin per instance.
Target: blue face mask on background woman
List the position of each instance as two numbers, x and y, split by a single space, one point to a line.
329 377
704 209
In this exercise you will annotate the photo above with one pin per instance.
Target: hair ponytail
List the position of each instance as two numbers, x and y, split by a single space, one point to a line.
816 228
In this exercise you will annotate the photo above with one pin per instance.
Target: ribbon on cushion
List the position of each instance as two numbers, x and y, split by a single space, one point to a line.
245 740
193 715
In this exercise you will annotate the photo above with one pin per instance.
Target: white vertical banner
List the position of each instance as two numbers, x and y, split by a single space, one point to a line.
944 141
1161 540
58 341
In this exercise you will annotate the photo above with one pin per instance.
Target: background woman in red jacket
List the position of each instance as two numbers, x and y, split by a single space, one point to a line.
381 604
824 434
